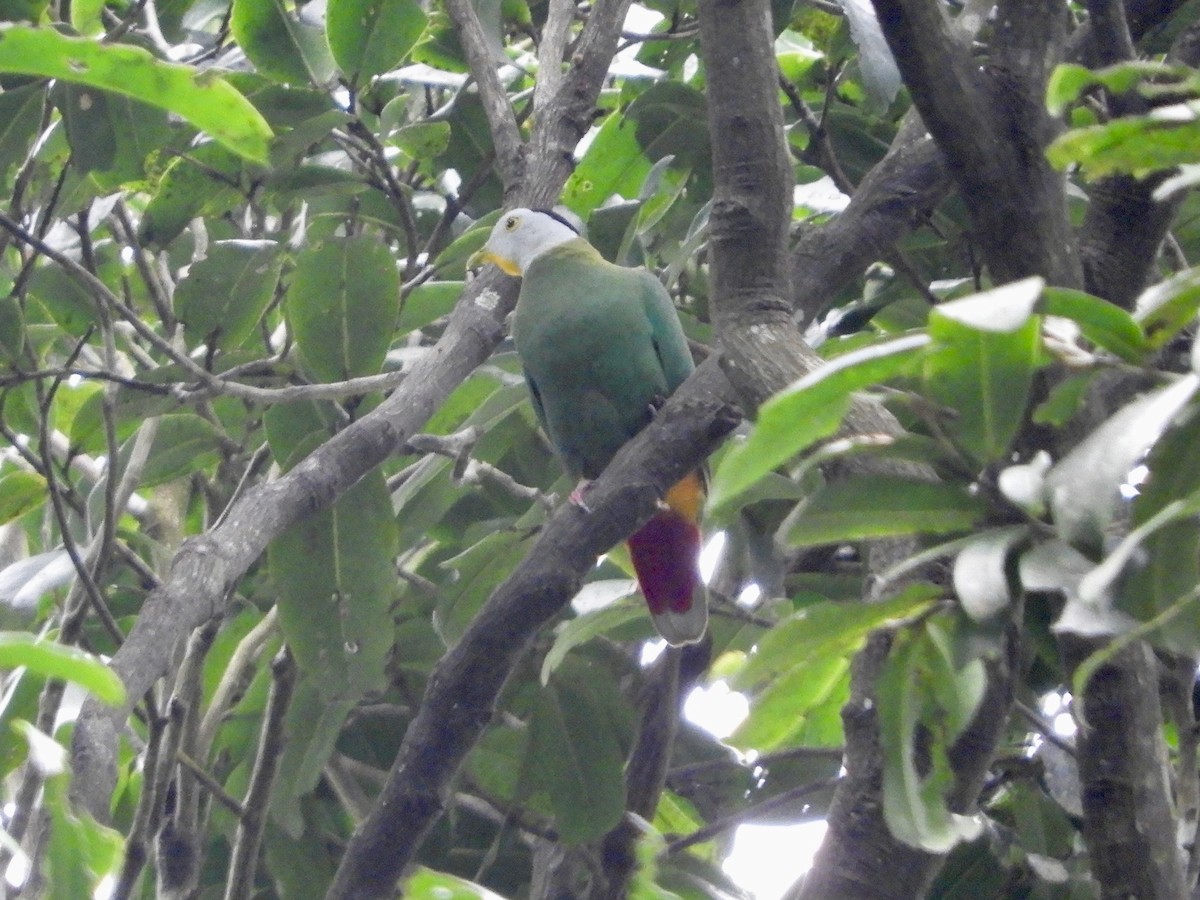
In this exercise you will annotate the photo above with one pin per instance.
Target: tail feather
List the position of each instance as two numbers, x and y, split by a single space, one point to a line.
665 553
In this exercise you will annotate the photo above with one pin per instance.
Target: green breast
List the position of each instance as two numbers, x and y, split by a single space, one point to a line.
589 349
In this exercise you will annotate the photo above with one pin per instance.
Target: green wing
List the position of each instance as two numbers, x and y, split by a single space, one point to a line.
535 397
670 343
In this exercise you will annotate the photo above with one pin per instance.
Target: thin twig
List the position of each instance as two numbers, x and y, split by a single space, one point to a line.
691 770
1044 728
234 680
244 859
717 826
210 783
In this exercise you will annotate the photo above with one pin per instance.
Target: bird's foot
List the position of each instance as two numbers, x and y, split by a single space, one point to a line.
576 497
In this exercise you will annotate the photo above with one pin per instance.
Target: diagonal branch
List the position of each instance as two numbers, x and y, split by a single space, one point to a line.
463 688
550 55
207 568
502 120
896 197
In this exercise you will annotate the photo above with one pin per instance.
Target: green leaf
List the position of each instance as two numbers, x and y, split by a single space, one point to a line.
20 492
300 868
581 760
20 705
982 366
795 55
20 118
12 328
671 119
1167 565
823 626
334 571
81 851
130 136
369 37
185 443
1166 308
582 629
1096 583
420 140
294 429
342 306
308 182
1084 486
779 714
68 302
922 692
426 884
804 663
279 45
85 17
311 729
224 295
613 164
200 97
427 302
1165 137
1104 324
479 570
1068 81
806 412
876 506
58 661
1064 400
204 182
498 762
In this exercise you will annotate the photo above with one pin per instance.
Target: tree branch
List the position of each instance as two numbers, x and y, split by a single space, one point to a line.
502 121
462 690
207 568
646 771
992 130
244 860
896 197
762 348
1128 823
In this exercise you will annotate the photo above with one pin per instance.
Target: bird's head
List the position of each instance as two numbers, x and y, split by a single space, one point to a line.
521 236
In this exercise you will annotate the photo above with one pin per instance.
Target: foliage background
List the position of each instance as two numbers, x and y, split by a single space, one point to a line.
269 453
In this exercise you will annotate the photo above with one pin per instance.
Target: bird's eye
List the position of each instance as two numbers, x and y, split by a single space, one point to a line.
510 223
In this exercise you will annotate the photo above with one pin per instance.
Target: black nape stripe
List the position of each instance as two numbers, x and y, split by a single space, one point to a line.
557 217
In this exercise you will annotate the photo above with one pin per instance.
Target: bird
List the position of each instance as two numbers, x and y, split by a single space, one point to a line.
602 348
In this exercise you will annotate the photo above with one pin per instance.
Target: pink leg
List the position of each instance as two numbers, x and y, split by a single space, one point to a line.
576 497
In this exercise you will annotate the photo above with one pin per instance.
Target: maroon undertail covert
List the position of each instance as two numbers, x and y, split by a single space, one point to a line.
664 553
